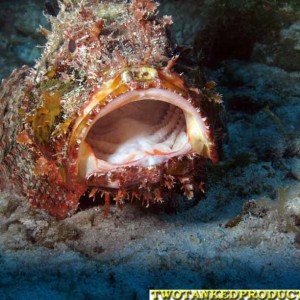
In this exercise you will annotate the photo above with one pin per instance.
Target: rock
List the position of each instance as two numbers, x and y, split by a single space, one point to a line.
285 53
19 35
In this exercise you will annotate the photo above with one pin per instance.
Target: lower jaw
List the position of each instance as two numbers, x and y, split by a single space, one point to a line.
132 177
145 178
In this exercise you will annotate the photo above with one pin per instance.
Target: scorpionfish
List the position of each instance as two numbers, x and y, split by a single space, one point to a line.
102 112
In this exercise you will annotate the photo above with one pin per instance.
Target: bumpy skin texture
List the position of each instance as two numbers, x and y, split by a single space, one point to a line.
12 96
90 45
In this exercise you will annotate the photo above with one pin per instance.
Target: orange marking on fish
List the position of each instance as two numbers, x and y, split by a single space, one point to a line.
156 152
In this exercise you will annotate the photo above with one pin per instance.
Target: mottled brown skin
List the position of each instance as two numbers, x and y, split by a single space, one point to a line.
90 44
11 95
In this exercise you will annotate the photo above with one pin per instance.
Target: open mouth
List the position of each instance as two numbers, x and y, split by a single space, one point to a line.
142 128
143 131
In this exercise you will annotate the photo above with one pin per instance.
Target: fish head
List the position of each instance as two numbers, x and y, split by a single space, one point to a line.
104 111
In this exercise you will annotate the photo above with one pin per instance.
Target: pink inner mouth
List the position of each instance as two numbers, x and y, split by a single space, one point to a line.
142 128
138 130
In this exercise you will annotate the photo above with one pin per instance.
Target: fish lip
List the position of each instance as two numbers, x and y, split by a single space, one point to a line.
154 94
